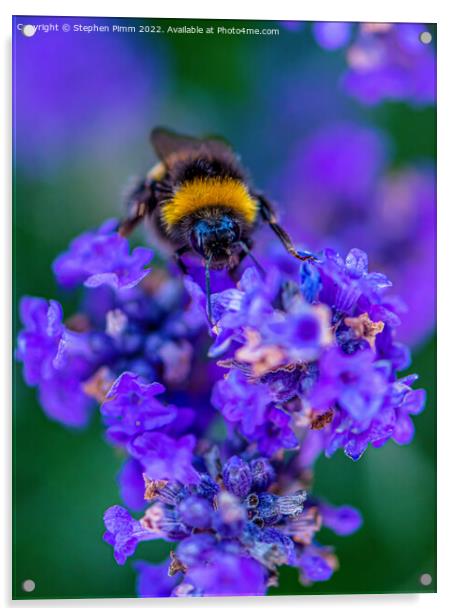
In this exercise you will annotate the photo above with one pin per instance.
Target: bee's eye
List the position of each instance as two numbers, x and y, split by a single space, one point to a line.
229 230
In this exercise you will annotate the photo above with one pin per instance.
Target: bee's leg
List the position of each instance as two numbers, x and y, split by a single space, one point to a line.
247 251
178 256
269 216
140 203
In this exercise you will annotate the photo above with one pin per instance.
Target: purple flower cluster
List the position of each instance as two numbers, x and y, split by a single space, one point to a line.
121 327
322 353
220 422
233 530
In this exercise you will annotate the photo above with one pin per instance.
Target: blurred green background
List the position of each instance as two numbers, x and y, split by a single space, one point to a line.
63 480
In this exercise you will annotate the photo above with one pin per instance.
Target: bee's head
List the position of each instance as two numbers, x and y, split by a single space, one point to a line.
214 238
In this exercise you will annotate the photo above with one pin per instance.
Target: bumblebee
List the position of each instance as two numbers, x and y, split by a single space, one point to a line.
197 199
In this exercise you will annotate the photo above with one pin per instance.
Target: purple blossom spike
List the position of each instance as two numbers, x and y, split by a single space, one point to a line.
220 460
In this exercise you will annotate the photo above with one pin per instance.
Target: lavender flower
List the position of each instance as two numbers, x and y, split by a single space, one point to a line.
342 387
123 533
101 257
39 343
153 580
231 574
142 331
55 360
343 520
131 484
131 408
296 367
242 528
164 457
316 565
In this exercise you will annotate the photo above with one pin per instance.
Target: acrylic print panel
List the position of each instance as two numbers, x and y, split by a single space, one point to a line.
218 338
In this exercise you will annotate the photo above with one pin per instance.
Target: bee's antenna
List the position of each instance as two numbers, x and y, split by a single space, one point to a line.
247 250
208 290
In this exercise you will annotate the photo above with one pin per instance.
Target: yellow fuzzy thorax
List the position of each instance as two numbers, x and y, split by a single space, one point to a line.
202 192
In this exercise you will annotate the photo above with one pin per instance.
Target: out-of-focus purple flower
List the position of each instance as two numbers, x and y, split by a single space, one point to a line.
229 575
343 520
154 580
40 341
102 257
131 485
196 512
316 565
131 407
56 360
401 230
338 162
63 399
124 533
66 100
389 62
332 34
164 457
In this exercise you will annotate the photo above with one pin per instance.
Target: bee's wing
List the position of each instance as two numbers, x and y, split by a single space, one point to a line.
165 142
